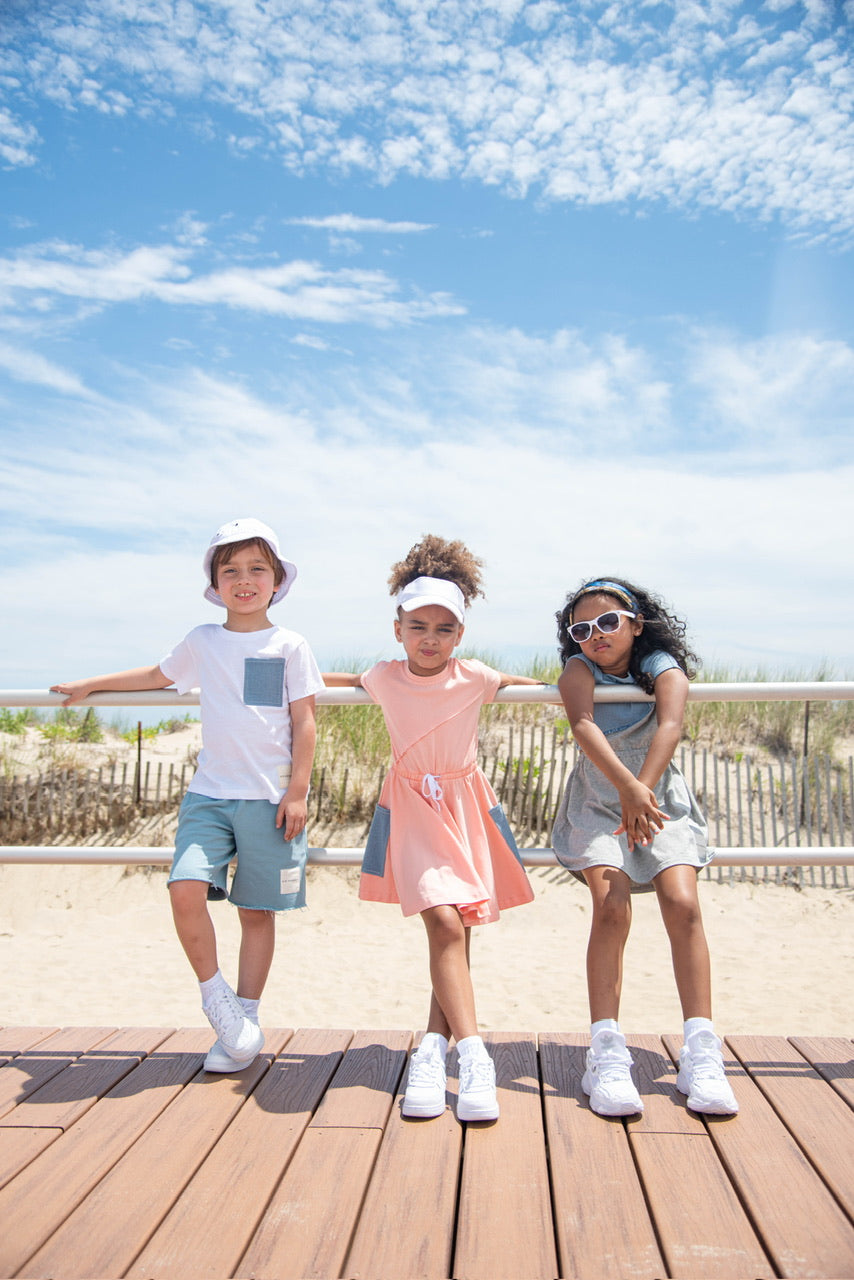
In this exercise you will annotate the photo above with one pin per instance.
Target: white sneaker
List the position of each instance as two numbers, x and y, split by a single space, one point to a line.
477 1098
607 1080
702 1076
220 1060
238 1036
425 1085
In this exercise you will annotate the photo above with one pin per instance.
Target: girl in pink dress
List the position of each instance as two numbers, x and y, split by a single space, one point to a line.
439 843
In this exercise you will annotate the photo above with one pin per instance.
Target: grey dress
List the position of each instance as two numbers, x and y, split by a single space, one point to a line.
590 812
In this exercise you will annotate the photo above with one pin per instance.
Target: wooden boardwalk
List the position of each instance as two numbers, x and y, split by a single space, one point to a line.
120 1157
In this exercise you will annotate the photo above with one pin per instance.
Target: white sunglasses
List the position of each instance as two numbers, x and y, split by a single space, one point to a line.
607 623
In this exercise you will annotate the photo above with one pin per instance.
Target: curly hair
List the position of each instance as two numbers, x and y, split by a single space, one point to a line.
661 629
434 557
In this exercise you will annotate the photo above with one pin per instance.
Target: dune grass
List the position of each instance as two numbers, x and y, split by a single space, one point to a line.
355 738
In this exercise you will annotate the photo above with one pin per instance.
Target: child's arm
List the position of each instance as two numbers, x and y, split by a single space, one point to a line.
293 806
671 695
641 817
506 680
133 681
342 680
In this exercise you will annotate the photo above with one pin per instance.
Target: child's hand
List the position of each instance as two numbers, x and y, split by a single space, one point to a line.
292 814
641 817
74 690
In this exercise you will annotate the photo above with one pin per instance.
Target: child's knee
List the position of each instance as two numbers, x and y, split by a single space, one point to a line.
444 926
681 912
613 911
188 897
255 921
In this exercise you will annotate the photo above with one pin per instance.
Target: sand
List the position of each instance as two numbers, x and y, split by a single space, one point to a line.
95 946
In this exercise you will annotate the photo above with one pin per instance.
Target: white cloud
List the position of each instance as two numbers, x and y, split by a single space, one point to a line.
298 290
29 366
350 223
17 141
732 554
524 446
700 106
309 340
792 392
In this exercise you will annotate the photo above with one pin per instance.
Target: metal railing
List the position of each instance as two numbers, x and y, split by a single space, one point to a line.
780 691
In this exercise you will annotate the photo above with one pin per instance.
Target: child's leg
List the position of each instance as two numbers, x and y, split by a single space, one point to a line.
238 1039
680 909
452 1008
257 943
452 1013
610 891
607 1077
194 926
701 1068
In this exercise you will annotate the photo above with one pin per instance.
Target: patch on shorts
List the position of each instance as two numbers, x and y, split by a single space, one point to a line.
264 682
290 879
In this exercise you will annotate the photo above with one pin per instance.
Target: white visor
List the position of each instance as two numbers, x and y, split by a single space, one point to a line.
424 591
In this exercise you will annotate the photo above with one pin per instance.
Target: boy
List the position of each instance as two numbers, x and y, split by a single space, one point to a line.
248 796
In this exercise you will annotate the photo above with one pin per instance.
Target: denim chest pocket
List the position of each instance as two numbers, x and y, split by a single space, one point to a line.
264 682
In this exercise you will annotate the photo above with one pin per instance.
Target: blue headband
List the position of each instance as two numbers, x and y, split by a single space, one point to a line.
609 588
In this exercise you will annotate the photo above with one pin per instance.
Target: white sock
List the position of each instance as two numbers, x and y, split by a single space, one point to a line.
693 1025
604 1024
472 1047
434 1042
212 985
250 1007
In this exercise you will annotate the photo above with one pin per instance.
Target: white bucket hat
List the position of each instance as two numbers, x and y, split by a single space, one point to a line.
243 531
423 591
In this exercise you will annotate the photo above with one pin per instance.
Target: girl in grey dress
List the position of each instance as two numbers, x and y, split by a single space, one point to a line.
629 821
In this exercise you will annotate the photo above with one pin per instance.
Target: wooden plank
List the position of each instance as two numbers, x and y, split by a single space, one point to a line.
665 1109
602 1224
833 1058
29 1070
109 1228
298 1236
209 1227
406 1227
309 1222
363 1087
52 1185
797 1219
20 1146
817 1117
703 1229
15 1040
70 1093
505 1177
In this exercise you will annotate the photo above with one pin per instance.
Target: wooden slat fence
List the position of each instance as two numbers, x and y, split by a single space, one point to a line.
803 800
788 803
84 802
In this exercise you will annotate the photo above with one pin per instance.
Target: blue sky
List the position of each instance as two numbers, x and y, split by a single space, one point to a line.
571 282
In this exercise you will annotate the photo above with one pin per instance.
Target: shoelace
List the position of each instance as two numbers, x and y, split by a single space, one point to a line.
476 1075
425 1069
706 1061
611 1069
222 1007
707 1066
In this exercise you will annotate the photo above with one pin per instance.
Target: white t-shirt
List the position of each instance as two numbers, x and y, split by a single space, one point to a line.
246 681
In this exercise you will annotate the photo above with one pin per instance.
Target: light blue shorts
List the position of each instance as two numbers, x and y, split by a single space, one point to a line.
270 871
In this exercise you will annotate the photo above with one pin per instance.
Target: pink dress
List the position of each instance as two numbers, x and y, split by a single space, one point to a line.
439 835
